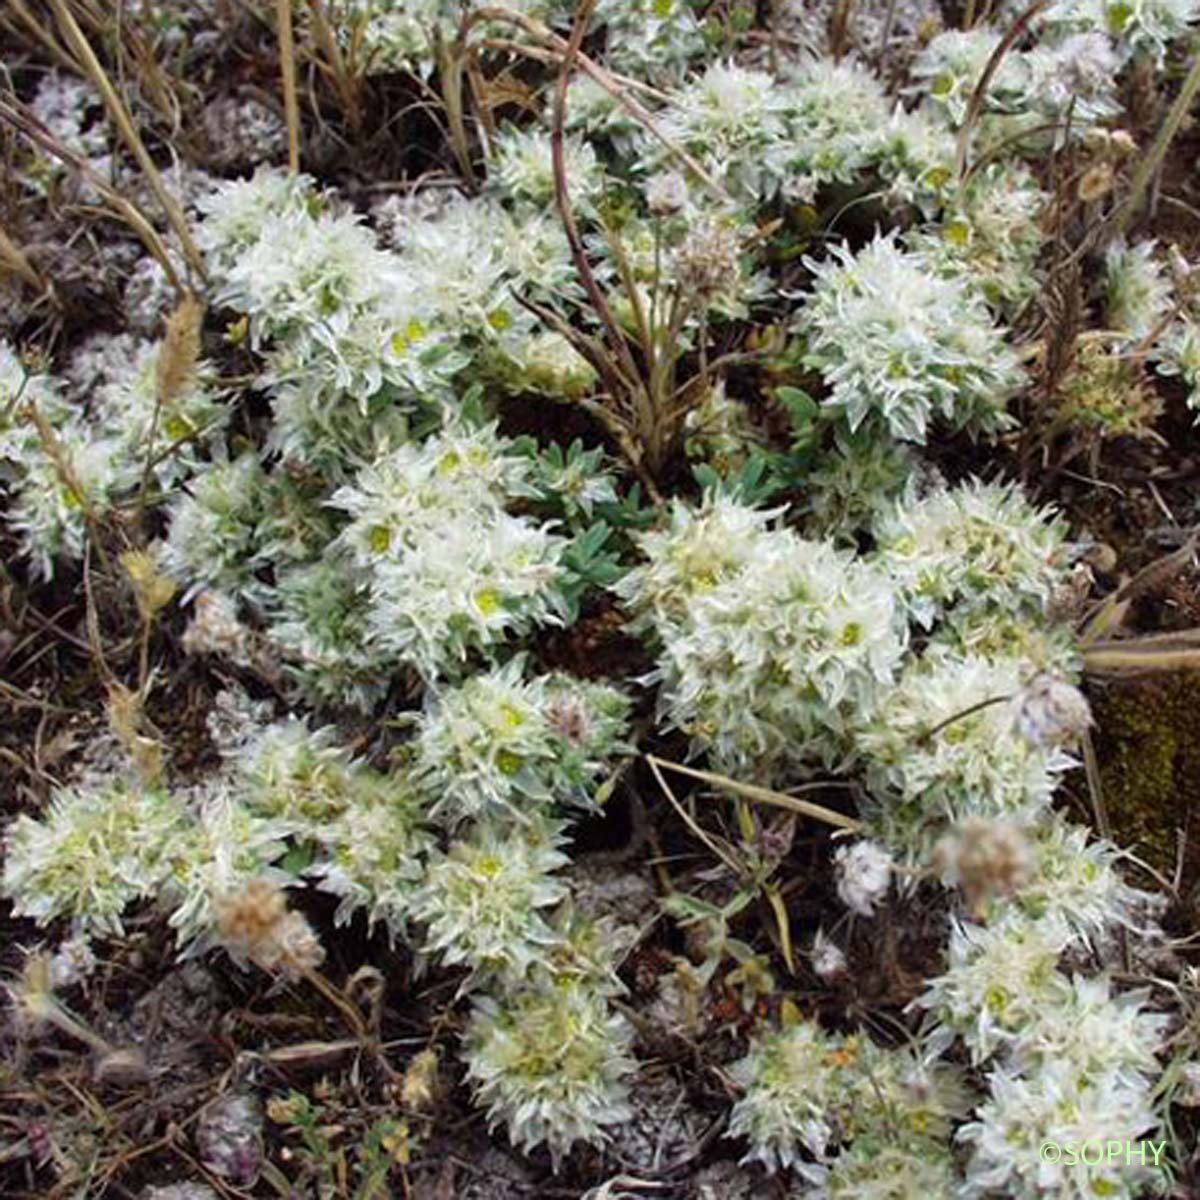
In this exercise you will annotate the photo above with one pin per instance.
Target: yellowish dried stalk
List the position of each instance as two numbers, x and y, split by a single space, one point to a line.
17 115
15 260
348 85
1150 164
287 64
750 791
128 131
176 368
30 25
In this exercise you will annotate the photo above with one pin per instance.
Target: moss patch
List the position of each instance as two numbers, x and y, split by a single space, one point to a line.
1149 752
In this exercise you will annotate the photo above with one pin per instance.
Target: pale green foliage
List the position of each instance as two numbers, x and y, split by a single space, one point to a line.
1177 353
169 434
57 489
213 536
836 111
1030 87
699 549
318 616
1137 26
794 1080
993 241
880 1168
372 855
24 384
735 117
1137 292
855 482
375 543
53 474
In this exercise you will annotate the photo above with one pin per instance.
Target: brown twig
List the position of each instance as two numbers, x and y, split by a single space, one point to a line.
605 79
979 95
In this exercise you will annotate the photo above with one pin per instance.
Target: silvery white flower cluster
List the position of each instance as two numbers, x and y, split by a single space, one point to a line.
993 241
552 1062
317 622
523 171
544 1051
1145 27
900 345
93 853
496 756
1061 1050
822 123
864 872
1029 89
361 339
103 845
654 40
1069 1052
825 1106
1150 302
57 466
482 901
979 724
344 324
499 744
380 530
956 551
447 567
772 646
943 746
72 112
